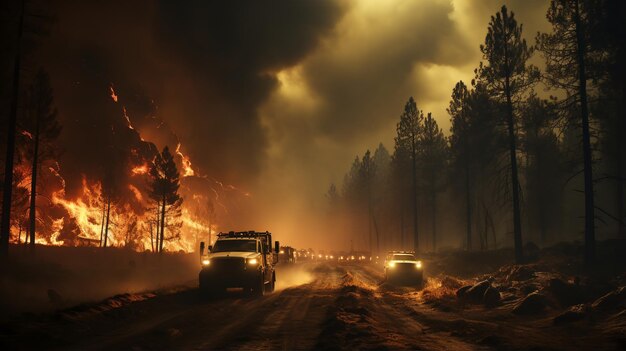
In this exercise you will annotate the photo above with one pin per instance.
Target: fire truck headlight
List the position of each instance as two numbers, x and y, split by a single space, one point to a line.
253 261
206 262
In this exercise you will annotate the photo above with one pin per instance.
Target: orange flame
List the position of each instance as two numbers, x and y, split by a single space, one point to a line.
186 163
139 170
113 95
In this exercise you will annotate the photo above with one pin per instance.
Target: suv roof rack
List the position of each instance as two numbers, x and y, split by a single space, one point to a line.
401 252
248 234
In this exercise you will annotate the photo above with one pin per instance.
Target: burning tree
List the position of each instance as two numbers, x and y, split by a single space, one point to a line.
163 188
42 129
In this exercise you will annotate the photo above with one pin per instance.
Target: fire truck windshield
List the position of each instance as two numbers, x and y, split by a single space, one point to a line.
235 245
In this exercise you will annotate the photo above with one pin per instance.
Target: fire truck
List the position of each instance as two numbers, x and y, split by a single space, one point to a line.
239 260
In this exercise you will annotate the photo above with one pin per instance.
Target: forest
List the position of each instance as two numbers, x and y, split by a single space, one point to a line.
533 156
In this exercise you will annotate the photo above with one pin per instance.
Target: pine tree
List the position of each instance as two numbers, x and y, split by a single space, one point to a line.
434 160
571 61
460 148
506 76
164 184
409 131
42 125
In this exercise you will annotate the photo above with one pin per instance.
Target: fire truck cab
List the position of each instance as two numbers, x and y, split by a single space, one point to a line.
239 260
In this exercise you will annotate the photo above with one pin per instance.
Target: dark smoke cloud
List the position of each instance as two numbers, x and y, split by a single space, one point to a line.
201 67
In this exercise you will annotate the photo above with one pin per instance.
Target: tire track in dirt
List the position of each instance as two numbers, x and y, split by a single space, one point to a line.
361 317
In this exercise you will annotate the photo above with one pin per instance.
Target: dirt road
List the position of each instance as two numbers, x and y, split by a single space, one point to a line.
322 306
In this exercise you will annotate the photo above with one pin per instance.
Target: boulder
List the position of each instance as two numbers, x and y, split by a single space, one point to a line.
611 300
573 314
534 303
477 291
520 273
491 297
565 293
528 289
460 293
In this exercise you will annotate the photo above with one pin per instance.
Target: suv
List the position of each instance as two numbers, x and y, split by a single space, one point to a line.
403 267
239 260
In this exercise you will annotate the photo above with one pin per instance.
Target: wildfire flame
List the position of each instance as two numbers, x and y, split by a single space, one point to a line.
186 163
79 220
139 170
112 91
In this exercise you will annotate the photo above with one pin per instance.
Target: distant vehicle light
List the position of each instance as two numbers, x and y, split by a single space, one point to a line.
332 257
418 264
320 255
253 261
206 262
282 251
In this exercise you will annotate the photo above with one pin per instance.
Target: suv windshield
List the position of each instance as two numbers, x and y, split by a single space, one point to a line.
403 257
234 245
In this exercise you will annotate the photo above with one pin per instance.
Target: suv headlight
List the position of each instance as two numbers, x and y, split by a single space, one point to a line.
206 262
392 264
253 261
418 264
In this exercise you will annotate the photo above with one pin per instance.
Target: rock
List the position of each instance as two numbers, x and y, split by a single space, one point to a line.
611 300
460 293
566 294
476 292
573 314
492 297
520 273
534 303
528 289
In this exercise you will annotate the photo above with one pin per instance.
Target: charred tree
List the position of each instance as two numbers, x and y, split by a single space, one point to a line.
43 127
409 131
460 149
569 51
164 184
5 222
507 77
433 158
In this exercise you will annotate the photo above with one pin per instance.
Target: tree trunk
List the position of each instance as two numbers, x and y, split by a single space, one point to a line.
106 227
590 238
517 224
32 215
468 206
414 173
376 232
151 237
619 194
5 222
162 226
402 227
433 203
104 207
